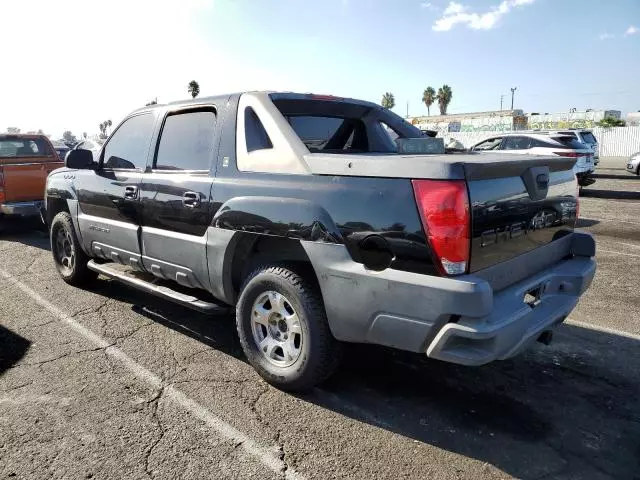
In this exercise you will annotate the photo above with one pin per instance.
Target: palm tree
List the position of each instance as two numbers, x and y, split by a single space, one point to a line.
388 100
194 88
108 123
428 97
444 98
102 128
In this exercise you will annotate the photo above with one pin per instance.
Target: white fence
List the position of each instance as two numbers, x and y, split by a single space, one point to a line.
614 142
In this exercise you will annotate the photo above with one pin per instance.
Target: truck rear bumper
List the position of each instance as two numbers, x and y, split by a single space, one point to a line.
513 324
471 319
25 209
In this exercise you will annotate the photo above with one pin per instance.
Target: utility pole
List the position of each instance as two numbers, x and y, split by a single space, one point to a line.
513 92
407 108
501 99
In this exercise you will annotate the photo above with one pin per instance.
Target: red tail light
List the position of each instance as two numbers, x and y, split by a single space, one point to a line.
444 211
323 97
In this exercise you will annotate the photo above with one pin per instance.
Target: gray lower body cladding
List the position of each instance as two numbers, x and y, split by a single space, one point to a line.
463 320
23 209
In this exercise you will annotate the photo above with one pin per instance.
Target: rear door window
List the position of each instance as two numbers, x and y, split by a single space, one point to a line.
128 146
516 143
187 141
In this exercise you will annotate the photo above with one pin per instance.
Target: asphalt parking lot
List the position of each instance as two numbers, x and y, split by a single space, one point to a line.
108 383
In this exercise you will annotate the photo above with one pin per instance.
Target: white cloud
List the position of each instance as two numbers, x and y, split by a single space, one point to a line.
632 30
428 5
458 14
606 36
453 9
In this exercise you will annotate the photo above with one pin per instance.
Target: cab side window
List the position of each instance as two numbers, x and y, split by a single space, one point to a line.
128 147
187 142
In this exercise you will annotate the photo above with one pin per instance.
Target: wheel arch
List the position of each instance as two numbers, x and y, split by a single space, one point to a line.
249 251
54 206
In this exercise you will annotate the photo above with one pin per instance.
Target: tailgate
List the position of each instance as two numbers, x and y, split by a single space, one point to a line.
518 205
24 179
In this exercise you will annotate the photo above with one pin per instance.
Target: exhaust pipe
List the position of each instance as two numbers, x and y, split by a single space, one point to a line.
546 337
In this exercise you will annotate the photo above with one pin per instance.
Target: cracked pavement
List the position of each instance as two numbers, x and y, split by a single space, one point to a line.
69 409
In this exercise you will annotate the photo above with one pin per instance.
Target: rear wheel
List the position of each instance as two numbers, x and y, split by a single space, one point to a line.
283 329
68 256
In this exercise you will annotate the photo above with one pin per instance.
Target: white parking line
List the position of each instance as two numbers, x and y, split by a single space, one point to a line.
597 328
267 456
608 219
617 253
629 244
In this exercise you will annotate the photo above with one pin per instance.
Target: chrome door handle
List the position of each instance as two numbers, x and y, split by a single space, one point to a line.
131 192
191 199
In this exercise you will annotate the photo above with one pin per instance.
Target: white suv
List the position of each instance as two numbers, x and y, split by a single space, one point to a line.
545 143
585 136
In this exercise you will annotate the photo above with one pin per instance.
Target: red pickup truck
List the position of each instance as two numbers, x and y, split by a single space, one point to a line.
25 162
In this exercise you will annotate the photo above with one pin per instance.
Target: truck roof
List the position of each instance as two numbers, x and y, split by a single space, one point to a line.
17 136
274 96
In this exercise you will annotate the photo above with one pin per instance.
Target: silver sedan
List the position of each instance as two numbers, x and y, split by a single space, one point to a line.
633 164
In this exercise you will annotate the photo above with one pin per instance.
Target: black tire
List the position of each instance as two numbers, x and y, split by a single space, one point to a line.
73 272
319 352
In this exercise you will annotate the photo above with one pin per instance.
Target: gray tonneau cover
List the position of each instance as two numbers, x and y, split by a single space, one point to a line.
451 166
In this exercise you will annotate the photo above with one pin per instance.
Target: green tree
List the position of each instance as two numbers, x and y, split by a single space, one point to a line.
388 100
152 102
13 130
69 137
84 135
108 124
444 98
40 131
609 122
428 97
194 89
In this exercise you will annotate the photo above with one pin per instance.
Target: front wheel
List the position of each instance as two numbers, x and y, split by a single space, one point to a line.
283 329
68 256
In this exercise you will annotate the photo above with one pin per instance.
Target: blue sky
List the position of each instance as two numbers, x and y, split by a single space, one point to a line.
550 50
108 58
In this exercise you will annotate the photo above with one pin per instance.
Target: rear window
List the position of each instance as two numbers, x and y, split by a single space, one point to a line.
569 142
330 126
24 147
330 134
315 132
587 137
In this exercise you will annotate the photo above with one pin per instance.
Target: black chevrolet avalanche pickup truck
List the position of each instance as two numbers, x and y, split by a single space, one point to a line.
304 212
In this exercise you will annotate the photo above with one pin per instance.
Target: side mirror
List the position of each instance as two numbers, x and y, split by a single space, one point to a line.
79 159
